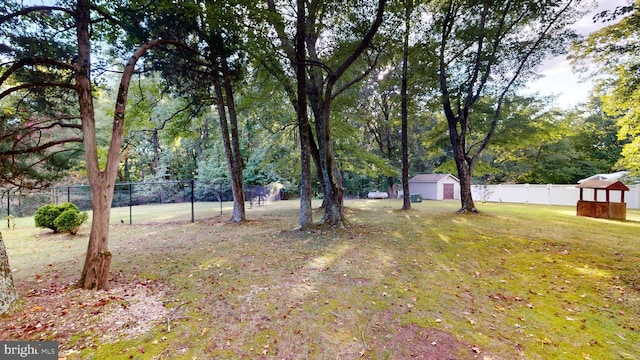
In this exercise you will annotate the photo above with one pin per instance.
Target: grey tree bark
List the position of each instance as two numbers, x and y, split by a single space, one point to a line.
8 295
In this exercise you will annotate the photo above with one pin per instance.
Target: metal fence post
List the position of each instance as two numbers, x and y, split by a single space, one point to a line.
8 209
193 218
130 204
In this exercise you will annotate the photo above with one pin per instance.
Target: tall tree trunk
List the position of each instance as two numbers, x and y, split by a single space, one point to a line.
333 190
320 92
95 272
465 174
315 156
237 179
238 214
306 215
7 288
391 190
406 201
156 152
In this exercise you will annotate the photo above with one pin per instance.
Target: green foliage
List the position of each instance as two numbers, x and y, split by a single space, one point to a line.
70 220
536 144
68 206
614 50
46 215
40 134
60 218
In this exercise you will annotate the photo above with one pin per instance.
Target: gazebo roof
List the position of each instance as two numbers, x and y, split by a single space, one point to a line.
604 185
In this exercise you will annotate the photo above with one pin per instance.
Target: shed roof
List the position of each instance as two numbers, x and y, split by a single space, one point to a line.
431 178
603 184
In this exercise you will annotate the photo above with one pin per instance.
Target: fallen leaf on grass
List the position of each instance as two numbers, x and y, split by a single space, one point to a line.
101 302
545 341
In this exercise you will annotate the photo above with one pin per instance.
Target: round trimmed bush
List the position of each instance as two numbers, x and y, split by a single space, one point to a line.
51 216
70 220
46 215
68 206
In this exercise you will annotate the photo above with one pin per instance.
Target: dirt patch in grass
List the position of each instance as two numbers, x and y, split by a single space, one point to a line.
416 343
80 319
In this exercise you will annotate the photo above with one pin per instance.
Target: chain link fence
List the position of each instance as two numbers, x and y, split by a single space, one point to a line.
190 199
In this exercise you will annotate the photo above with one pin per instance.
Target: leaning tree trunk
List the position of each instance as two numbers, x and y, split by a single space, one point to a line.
8 295
331 177
333 190
238 214
237 179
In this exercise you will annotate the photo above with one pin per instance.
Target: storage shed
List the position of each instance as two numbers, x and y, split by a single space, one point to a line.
598 207
435 186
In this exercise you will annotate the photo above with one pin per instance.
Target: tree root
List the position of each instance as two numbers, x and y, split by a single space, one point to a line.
468 211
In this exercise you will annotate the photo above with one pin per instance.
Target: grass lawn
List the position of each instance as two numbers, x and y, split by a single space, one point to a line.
514 282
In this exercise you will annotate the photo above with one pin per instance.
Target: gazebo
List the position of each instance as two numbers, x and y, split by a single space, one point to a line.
606 209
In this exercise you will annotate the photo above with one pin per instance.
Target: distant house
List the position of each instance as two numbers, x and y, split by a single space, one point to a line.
435 186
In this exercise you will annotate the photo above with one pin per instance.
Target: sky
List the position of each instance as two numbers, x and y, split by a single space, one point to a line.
559 78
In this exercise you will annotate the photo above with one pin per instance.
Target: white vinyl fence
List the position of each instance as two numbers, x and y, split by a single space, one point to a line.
549 194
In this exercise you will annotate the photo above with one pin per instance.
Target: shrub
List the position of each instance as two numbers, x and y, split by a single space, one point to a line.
70 220
46 215
68 206
63 217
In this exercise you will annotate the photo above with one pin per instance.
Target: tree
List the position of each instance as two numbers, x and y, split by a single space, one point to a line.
38 143
299 64
326 68
488 48
209 74
67 67
406 203
615 52
8 295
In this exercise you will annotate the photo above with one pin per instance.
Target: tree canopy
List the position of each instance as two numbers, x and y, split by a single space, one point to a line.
256 92
614 50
